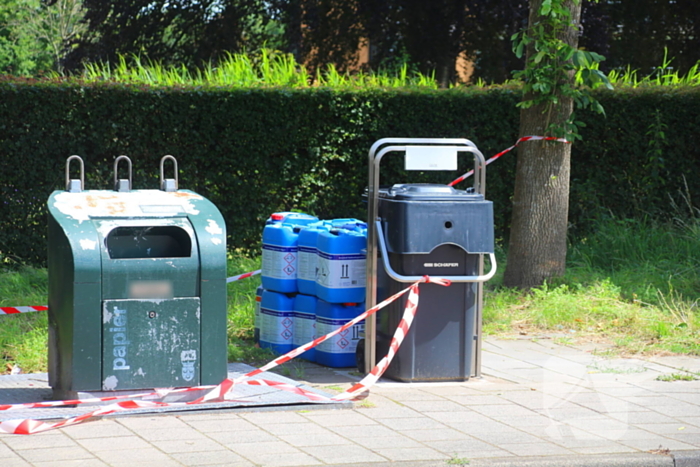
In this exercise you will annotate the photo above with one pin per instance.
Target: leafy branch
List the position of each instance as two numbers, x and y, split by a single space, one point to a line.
552 65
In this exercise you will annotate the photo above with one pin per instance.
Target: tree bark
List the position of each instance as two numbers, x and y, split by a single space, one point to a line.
537 246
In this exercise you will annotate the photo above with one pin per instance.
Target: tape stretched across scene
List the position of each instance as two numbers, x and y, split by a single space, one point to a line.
524 138
12 310
218 393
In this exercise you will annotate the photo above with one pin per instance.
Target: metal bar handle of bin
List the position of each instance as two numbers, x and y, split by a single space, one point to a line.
400 278
122 184
168 184
72 185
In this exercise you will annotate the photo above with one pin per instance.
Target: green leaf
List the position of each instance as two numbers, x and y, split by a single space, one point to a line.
546 7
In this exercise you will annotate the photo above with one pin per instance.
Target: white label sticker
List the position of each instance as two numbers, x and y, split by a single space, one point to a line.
341 271
342 343
276 327
431 158
279 262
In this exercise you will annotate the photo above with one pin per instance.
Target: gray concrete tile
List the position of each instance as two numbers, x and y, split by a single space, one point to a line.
470 418
396 441
187 445
406 394
478 400
694 421
417 423
162 434
410 454
525 422
686 410
147 463
346 454
663 428
390 411
435 406
498 439
273 417
435 434
536 449
612 448
288 459
133 456
218 425
229 438
51 454
97 429
509 410
223 457
597 423
309 428
314 439
480 454
10 459
657 443
490 426
452 391
352 432
253 451
634 418
631 433
461 445
689 438
69 463
152 423
339 418
56 439
96 445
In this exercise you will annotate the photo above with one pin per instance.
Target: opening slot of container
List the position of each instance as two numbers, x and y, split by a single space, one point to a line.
148 242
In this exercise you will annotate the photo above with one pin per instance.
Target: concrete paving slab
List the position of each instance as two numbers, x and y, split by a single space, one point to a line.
593 410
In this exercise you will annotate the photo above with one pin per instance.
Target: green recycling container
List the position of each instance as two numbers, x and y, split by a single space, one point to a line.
137 288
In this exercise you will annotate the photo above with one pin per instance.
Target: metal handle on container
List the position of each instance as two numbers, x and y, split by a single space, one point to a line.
401 278
73 185
122 184
168 184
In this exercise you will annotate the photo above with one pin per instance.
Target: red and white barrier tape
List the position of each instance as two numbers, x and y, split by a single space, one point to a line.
524 138
218 393
11 310
243 276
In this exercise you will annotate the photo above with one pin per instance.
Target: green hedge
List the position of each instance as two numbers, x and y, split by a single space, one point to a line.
256 151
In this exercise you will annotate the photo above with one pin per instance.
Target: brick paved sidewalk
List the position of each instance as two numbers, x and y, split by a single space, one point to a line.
538 404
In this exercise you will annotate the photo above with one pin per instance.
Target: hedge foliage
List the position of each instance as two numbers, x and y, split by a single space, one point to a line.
256 151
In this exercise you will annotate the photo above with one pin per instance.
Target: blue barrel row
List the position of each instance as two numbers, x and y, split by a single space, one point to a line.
313 282
325 258
287 321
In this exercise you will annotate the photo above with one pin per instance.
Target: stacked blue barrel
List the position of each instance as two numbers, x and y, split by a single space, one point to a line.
313 282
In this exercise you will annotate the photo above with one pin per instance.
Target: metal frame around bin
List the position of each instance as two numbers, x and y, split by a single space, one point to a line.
378 150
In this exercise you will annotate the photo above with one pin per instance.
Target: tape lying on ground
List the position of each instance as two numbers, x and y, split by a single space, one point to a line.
524 138
218 393
11 310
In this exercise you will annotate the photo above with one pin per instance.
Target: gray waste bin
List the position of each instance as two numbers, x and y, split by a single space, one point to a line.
438 231
416 230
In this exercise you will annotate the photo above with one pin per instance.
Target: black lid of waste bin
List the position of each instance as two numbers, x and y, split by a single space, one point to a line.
427 192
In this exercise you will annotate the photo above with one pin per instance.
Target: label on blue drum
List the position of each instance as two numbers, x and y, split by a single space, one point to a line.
276 327
341 271
304 328
307 261
344 342
279 262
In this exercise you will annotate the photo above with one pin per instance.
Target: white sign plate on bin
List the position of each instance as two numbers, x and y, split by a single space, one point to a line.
431 158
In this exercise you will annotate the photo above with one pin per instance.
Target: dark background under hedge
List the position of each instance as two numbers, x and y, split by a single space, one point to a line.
256 151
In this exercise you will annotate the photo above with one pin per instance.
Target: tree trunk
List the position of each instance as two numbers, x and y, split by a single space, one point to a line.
537 247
